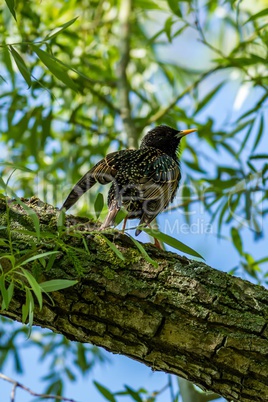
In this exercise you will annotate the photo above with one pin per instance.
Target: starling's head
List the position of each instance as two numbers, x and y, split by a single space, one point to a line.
165 138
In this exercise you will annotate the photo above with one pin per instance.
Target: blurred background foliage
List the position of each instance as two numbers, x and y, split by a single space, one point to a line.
82 78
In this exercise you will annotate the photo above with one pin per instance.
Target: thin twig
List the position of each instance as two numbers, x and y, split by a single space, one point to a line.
17 384
209 195
220 53
188 202
164 110
13 391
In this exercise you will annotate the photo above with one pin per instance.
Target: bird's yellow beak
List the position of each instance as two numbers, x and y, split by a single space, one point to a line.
182 133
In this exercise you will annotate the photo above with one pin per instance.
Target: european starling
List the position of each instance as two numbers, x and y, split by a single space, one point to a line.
144 181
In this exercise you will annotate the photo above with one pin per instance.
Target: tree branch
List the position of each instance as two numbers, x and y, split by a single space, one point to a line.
183 317
164 110
17 384
203 39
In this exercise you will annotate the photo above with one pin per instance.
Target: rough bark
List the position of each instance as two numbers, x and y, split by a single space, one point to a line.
183 317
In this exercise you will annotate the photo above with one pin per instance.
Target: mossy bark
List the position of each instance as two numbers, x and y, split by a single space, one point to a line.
183 317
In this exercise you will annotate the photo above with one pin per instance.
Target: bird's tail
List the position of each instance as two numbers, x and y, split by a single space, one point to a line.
145 221
83 185
103 172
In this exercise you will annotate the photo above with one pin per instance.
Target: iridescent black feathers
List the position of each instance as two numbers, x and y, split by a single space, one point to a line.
144 181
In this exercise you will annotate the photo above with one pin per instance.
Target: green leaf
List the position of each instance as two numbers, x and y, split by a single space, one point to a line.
28 306
248 205
5 243
61 221
11 6
258 15
208 97
19 167
98 205
194 166
258 59
34 285
171 241
52 259
257 225
57 284
242 61
28 310
250 266
251 167
219 184
174 7
229 148
186 197
85 245
148 5
71 376
245 140
81 358
242 126
36 257
10 291
261 261
113 247
2 78
248 113
54 67
10 257
234 202
4 293
6 59
105 392
3 184
259 156
237 240
134 394
25 307
225 207
21 65
259 135
47 235
120 216
59 29
31 213
168 26
143 252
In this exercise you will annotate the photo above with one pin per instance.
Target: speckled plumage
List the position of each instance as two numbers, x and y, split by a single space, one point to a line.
144 181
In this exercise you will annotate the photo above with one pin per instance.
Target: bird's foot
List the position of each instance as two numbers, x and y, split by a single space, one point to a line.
124 225
158 244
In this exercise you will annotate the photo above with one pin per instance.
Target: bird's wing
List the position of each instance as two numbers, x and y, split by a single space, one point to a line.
103 172
161 178
158 186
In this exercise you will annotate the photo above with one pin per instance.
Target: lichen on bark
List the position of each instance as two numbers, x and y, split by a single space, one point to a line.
183 317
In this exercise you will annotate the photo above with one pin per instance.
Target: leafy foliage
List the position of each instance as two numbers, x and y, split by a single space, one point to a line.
13 275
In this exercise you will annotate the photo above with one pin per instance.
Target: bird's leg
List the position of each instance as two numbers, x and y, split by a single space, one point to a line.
124 224
157 243
109 220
